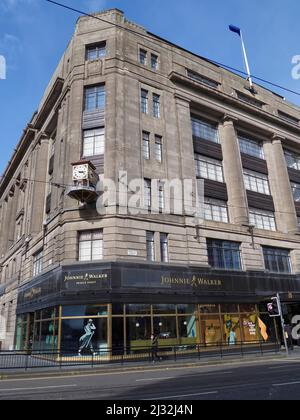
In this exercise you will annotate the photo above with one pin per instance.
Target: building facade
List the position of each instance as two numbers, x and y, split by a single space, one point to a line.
125 100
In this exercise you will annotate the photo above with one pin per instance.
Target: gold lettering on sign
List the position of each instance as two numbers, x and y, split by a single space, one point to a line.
86 277
193 281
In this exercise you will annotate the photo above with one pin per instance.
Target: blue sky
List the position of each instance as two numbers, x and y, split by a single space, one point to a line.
34 34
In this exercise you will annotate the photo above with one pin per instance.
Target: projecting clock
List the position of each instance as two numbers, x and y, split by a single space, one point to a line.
80 172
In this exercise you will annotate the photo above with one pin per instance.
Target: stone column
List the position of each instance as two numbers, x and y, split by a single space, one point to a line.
5 225
233 173
186 150
285 212
39 188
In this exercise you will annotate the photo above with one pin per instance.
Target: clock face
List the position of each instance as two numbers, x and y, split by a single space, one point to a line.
80 172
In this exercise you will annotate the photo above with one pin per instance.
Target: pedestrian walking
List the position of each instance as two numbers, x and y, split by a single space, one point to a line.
154 348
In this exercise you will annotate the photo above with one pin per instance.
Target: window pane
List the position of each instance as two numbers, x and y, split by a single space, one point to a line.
205 130
251 147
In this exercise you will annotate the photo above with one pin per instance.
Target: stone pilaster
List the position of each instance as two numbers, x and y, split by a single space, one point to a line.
40 187
233 173
285 212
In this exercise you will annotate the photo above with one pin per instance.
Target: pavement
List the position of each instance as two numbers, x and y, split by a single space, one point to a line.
273 378
129 366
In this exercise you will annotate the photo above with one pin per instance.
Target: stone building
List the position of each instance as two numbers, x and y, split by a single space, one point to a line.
123 99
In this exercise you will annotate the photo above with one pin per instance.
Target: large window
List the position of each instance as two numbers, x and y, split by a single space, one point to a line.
164 248
277 260
150 244
93 142
94 98
251 147
292 160
215 210
95 52
144 101
156 105
201 79
147 193
146 145
158 148
38 263
209 168
143 57
224 254
161 196
205 130
262 219
154 62
296 191
256 182
91 245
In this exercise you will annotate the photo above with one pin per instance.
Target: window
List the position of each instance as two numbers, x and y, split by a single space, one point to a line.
251 147
164 251
94 98
146 145
289 118
156 105
150 246
256 182
143 57
277 260
292 160
91 245
95 52
158 148
147 193
296 191
208 168
38 263
262 219
224 254
144 101
154 62
249 100
205 130
161 196
93 142
215 210
201 79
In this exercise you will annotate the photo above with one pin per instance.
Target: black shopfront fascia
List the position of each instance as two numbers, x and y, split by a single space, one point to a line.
122 283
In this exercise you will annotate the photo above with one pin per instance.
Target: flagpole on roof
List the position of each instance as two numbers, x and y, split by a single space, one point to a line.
238 31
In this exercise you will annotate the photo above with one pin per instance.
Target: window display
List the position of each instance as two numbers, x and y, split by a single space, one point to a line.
127 329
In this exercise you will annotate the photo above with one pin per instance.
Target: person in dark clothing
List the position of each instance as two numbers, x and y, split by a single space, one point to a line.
289 336
154 348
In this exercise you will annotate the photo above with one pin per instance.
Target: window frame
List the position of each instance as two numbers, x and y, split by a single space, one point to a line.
38 263
150 240
100 46
218 251
210 204
92 242
210 164
164 248
156 105
276 253
205 130
101 135
248 150
144 101
266 216
99 97
252 177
